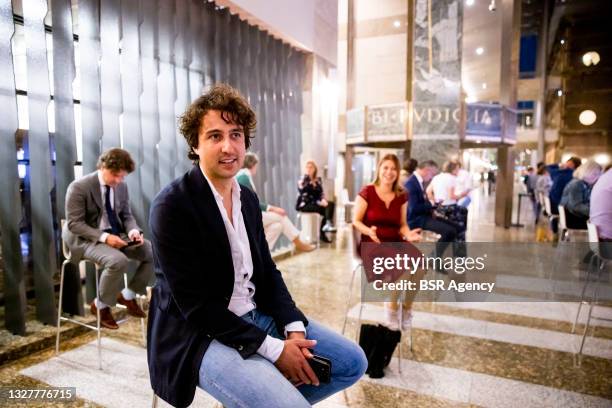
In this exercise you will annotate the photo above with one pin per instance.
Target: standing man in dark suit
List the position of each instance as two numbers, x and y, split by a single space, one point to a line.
221 316
420 210
99 225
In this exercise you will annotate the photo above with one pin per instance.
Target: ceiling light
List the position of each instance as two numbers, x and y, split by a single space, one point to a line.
469 2
587 117
397 24
602 158
559 92
484 85
478 141
562 41
492 6
590 58
479 51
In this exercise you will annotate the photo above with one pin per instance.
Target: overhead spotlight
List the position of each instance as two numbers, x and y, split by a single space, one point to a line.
587 117
484 85
492 6
559 92
591 58
397 24
469 2
479 51
562 41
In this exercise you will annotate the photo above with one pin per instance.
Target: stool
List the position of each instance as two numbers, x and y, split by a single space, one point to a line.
97 328
603 262
565 233
309 223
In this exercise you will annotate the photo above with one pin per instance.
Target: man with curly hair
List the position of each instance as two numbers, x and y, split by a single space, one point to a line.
221 316
100 228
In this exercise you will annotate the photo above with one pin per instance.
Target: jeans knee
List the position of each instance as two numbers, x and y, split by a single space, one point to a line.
359 364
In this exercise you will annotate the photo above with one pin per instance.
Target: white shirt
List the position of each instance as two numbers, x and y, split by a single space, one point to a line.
441 184
104 224
242 301
464 181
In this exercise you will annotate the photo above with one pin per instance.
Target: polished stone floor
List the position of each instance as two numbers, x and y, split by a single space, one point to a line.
493 354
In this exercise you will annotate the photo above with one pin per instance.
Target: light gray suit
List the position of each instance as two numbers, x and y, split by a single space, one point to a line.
84 211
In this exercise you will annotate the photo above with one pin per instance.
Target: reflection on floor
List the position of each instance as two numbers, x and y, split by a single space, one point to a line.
499 354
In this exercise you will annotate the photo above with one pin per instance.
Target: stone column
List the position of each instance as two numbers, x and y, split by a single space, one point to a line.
436 80
510 42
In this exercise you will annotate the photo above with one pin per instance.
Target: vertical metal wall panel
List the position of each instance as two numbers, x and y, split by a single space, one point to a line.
233 39
89 49
166 94
110 79
222 22
130 90
63 77
149 120
43 240
209 57
196 66
182 60
254 87
10 202
244 59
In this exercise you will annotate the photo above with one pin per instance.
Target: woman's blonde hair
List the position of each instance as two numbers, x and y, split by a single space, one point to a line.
314 176
396 185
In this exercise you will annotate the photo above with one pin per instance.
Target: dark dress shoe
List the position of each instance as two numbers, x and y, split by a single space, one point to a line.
132 307
106 317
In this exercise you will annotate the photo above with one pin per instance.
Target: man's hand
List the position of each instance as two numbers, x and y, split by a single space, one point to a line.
137 237
277 210
292 361
115 241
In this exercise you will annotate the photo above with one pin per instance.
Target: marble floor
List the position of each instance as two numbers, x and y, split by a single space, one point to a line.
488 354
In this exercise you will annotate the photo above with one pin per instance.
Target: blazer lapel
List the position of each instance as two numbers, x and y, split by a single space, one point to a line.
249 224
207 208
95 189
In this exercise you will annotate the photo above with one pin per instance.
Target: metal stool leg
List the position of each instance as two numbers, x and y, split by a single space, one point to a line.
59 307
399 347
98 330
586 283
350 297
154 402
591 304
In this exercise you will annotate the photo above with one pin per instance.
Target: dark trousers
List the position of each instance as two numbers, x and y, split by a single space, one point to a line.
448 234
327 213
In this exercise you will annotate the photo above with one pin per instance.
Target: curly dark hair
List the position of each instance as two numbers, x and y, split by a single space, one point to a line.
233 106
116 160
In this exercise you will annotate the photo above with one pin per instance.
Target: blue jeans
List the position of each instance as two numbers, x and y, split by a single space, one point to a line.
256 382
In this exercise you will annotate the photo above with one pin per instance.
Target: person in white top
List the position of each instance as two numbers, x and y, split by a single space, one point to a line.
464 185
443 188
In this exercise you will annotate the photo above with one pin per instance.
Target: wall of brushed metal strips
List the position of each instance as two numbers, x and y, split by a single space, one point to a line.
138 65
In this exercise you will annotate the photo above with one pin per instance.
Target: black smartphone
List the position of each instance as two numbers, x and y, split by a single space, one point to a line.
321 367
130 243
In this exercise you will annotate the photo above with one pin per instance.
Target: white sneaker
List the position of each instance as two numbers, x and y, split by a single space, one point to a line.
406 319
391 319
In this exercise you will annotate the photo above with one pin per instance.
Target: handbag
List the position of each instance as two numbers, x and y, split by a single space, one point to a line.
378 343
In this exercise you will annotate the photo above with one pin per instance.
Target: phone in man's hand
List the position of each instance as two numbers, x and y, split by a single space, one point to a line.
321 367
130 243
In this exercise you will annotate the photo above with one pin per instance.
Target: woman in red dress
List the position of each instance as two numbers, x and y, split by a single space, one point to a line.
380 216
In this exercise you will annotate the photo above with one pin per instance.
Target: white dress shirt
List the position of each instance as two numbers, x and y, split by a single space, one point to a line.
441 185
104 224
243 294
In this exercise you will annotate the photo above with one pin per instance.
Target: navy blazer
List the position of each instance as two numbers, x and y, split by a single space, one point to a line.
195 280
419 208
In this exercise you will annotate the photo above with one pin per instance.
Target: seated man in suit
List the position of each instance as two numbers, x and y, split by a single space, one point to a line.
420 209
221 316
275 220
99 225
